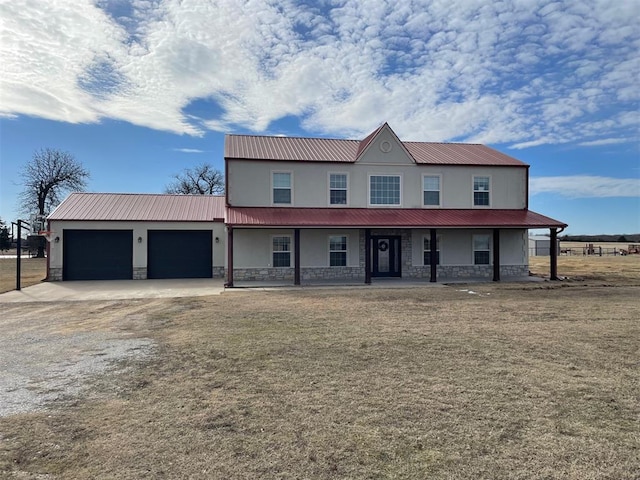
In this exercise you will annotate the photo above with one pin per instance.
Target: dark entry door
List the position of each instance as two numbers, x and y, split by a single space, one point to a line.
97 255
179 254
386 256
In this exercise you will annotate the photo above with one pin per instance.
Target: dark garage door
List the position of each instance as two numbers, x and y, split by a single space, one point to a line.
179 254
97 255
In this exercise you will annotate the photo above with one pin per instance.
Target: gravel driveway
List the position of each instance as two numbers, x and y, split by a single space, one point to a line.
48 352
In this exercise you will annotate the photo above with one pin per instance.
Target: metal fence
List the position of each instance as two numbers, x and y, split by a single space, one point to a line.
575 251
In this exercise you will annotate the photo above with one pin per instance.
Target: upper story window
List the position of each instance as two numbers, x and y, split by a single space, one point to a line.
338 251
431 190
481 190
338 189
481 249
281 188
384 189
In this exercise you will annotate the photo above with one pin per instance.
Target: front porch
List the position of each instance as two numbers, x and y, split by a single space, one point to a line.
386 253
387 283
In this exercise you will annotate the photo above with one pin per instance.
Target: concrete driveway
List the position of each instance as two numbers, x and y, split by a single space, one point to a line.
115 290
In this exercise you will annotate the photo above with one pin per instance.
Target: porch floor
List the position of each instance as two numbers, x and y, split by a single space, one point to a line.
376 282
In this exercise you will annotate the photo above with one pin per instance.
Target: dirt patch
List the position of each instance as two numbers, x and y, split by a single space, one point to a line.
48 353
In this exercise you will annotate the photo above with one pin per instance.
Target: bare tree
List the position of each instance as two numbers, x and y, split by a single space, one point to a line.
200 180
47 177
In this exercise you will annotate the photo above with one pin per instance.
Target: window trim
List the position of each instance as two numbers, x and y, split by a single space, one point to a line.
346 250
383 205
473 248
438 242
273 203
290 251
439 176
473 191
346 189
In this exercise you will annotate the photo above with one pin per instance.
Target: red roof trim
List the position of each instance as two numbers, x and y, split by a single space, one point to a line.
390 218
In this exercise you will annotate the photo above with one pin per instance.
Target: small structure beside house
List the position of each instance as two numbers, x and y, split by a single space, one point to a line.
115 236
303 209
540 246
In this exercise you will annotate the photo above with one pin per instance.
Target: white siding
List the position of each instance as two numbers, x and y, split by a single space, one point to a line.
456 247
250 183
252 247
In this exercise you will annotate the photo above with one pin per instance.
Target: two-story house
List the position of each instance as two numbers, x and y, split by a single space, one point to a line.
311 208
304 209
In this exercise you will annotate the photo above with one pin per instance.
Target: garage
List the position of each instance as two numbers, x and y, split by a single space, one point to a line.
179 254
97 254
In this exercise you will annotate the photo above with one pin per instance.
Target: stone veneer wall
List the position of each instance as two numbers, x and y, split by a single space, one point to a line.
449 272
139 273
331 273
55 274
263 274
514 270
218 272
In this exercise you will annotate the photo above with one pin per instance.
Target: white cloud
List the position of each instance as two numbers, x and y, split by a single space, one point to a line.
603 141
188 150
525 73
586 186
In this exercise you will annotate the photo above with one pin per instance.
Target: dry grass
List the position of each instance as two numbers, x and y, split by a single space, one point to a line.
525 381
616 270
34 270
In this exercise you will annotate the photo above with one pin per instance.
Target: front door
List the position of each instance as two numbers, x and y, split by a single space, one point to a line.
386 256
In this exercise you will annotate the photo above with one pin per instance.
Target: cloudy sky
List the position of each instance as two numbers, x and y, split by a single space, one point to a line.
138 90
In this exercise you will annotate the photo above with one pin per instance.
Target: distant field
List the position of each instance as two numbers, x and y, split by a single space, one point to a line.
612 269
34 270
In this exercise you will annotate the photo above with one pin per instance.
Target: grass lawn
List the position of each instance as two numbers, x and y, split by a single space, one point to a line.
34 270
528 381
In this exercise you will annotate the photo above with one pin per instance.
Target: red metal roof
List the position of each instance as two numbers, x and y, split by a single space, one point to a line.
391 218
140 207
251 147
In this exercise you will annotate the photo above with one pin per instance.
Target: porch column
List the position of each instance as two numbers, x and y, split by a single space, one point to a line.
367 256
296 254
229 257
433 255
496 254
553 252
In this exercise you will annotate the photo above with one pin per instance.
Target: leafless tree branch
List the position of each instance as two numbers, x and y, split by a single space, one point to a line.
200 180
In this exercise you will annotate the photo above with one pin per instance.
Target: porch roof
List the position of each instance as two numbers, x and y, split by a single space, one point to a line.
386 218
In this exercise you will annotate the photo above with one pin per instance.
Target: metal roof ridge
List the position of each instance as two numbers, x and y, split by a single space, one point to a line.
293 137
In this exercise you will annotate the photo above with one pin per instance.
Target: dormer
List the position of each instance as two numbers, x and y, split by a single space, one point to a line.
382 146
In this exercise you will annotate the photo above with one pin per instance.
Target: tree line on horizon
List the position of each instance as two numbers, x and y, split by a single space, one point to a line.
625 238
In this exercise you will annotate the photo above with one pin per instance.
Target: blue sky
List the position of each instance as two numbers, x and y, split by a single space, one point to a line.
139 90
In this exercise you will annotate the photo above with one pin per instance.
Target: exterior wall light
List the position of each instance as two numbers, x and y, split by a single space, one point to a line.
217 239
57 240
139 239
